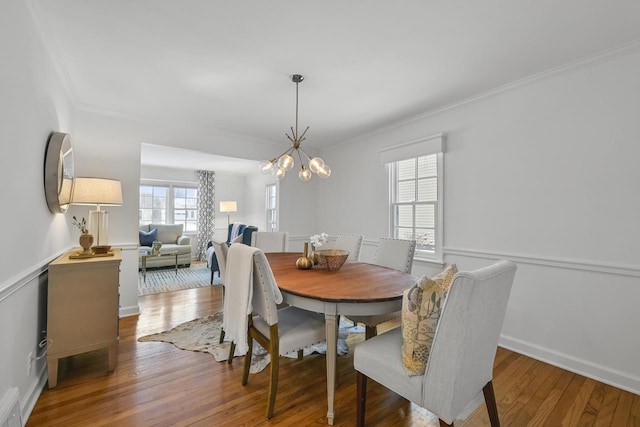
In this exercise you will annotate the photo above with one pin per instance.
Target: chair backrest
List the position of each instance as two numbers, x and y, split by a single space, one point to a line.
246 234
220 250
395 253
271 241
266 294
235 229
466 338
351 243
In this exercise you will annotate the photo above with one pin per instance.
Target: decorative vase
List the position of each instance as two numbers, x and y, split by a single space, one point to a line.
86 240
313 255
304 263
157 244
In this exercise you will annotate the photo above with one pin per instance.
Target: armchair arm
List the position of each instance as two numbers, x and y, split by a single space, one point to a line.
184 240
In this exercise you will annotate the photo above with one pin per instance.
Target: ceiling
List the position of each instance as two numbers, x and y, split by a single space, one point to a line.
368 64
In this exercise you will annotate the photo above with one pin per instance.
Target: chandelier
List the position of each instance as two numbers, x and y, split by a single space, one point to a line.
280 165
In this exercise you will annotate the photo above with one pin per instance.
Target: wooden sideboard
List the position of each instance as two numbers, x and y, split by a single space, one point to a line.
82 308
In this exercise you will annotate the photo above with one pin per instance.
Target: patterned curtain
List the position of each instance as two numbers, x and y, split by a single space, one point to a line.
206 211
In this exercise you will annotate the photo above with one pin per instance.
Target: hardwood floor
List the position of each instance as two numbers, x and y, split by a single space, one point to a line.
156 384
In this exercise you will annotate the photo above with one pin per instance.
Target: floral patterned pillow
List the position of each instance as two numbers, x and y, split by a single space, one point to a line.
421 306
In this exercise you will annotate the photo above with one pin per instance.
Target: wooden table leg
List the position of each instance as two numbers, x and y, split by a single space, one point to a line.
332 353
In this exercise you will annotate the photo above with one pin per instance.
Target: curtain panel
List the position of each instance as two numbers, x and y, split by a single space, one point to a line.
206 211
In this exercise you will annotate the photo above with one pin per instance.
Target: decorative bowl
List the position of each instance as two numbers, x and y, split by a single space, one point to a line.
332 259
100 249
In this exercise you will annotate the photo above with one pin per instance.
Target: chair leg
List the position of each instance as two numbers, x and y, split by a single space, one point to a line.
443 424
247 361
490 401
232 352
361 399
300 354
221 329
370 332
274 352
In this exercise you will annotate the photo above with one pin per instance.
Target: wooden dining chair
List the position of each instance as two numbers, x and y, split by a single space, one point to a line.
255 296
460 360
271 241
391 253
220 250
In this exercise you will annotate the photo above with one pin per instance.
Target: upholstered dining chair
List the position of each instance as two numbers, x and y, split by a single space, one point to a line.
271 241
351 243
392 253
460 361
251 313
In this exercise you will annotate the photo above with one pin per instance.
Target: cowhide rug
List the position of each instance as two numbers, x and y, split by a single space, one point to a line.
204 335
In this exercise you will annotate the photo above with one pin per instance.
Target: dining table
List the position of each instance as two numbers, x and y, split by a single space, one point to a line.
357 288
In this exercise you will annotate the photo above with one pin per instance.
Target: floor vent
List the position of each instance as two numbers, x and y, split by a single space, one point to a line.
10 409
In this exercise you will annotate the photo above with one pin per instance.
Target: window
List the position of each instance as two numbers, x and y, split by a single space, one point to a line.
153 204
415 202
185 208
416 194
169 205
272 224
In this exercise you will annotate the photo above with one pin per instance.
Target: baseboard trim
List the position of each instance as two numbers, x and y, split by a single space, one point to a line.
32 393
132 310
621 380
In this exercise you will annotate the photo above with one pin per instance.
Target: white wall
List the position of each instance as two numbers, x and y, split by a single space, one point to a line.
544 174
33 104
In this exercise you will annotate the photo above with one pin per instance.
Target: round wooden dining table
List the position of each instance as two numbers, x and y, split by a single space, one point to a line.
357 288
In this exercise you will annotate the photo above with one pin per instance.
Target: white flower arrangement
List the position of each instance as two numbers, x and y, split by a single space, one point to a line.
317 240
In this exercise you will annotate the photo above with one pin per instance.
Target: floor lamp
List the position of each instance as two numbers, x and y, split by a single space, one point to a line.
99 192
228 207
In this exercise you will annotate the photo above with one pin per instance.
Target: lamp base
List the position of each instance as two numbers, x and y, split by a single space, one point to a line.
99 227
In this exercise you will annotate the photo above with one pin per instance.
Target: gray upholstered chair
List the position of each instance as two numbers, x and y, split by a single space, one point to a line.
392 253
460 363
278 331
271 241
351 243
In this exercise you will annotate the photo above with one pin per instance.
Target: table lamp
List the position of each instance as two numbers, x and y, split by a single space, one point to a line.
98 192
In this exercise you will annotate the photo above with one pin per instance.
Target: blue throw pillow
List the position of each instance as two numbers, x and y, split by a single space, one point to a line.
146 239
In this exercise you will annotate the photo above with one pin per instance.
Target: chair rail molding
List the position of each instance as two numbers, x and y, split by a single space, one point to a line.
567 263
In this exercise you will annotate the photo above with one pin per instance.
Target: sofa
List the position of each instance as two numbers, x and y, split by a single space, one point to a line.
172 240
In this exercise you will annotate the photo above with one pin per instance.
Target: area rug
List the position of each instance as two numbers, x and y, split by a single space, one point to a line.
204 335
197 275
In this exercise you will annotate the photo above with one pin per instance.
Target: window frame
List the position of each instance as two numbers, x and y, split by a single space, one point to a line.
271 225
170 208
437 254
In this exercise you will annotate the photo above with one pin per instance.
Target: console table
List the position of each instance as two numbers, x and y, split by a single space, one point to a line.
82 308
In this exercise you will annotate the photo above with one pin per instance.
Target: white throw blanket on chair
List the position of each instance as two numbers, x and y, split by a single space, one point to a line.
235 231
238 294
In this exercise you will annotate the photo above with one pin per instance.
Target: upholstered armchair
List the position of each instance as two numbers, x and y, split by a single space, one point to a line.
460 360
237 232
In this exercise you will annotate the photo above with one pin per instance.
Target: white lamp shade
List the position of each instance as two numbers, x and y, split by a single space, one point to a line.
229 206
96 191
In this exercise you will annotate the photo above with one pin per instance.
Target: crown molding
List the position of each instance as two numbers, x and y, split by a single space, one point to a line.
589 61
